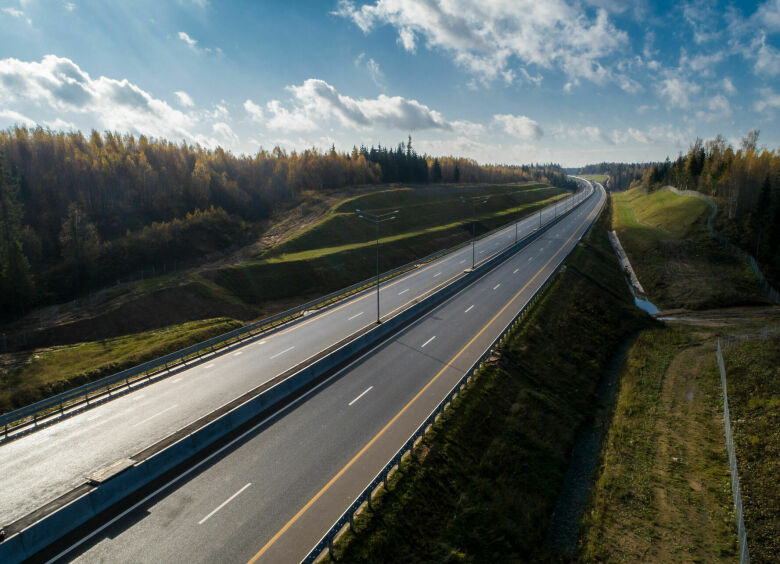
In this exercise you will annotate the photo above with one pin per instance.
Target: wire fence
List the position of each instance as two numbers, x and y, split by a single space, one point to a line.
744 556
773 294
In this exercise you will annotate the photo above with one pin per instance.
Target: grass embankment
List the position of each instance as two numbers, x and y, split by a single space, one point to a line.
753 380
339 250
663 494
29 377
600 178
128 326
677 261
487 478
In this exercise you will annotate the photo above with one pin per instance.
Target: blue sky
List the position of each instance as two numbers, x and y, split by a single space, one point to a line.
511 81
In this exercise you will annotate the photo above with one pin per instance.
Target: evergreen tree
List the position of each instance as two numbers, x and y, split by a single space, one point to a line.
16 283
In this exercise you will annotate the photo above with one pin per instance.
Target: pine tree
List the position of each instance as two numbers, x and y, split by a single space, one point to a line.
16 282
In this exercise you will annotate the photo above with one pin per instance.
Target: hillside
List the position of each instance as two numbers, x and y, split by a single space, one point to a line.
677 261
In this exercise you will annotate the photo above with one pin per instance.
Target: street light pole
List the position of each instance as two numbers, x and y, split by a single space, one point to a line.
376 220
474 202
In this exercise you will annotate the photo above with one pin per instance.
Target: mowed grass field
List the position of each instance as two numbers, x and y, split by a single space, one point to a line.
753 381
339 250
31 376
330 254
600 178
484 483
677 261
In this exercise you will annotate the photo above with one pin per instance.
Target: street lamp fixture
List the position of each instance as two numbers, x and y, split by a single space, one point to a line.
475 201
376 220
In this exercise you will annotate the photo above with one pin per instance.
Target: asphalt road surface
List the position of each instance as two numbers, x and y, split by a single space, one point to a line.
272 493
40 467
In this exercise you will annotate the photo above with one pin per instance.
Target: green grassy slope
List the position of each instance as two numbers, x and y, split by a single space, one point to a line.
339 250
753 380
29 377
486 480
677 261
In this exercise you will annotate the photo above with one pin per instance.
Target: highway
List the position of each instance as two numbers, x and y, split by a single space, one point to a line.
271 494
46 464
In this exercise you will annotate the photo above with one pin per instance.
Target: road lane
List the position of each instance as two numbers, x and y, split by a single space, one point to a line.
293 456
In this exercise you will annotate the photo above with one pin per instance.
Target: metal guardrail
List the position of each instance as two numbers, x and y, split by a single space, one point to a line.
326 542
77 399
744 556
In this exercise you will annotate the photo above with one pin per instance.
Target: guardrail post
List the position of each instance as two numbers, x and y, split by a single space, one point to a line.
62 411
352 521
330 548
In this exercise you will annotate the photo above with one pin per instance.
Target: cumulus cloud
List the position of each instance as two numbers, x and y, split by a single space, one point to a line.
768 15
486 37
522 127
191 43
718 107
677 92
254 111
316 98
10 117
184 99
225 132
285 120
58 84
770 100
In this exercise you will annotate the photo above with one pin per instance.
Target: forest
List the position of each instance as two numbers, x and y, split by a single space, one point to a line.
620 175
76 213
746 184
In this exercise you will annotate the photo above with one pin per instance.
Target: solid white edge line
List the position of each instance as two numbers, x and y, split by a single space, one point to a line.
428 341
224 503
361 395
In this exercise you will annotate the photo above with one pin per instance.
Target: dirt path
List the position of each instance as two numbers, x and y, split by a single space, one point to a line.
693 523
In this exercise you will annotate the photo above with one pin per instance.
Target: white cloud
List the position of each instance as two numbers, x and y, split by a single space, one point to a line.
318 99
769 100
522 127
700 15
254 111
375 72
656 135
767 59
191 43
286 120
372 67
70 6
486 37
15 13
729 87
184 99
10 117
225 132
718 107
61 125
768 15
677 92
57 84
